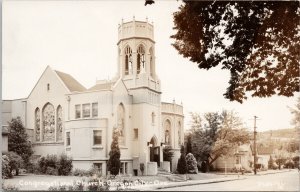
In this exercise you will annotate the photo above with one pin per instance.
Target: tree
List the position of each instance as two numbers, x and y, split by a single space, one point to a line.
258 42
181 165
18 140
296 112
271 163
114 163
168 153
191 163
189 144
219 136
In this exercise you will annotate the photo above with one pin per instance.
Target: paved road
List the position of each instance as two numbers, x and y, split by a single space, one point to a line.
287 181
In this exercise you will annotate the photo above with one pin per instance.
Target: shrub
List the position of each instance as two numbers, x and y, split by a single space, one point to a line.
181 165
9 187
6 173
203 166
64 165
289 164
51 171
191 163
15 162
42 165
168 153
51 161
114 162
52 165
81 172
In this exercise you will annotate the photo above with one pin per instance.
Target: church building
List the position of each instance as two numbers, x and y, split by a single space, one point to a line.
62 116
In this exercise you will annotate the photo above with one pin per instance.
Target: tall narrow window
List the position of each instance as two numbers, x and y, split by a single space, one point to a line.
151 62
128 60
121 123
167 127
179 133
140 59
77 111
97 137
59 124
48 87
94 109
48 126
86 110
37 124
68 139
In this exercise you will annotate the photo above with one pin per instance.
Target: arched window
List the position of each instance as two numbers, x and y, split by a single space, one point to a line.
59 124
128 60
179 133
121 123
167 128
37 120
141 61
151 62
48 126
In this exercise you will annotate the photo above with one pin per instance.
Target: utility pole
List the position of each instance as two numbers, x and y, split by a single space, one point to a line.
255 117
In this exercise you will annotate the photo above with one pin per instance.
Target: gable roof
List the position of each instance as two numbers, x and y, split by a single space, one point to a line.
102 86
71 83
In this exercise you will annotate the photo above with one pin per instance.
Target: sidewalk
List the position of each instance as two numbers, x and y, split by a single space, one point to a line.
258 172
188 183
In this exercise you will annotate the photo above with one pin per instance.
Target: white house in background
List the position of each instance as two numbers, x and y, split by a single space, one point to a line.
241 158
63 116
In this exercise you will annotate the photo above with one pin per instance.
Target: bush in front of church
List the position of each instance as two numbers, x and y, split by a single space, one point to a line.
5 167
114 162
64 165
53 165
191 163
181 165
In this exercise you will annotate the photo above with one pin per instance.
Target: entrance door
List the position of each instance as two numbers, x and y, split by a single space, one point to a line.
154 152
157 155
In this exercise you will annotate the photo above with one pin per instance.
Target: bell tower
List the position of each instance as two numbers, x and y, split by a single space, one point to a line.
136 54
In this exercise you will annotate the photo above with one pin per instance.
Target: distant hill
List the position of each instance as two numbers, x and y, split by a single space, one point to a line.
291 133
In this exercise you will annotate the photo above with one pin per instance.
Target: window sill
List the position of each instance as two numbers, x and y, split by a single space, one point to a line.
123 147
97 147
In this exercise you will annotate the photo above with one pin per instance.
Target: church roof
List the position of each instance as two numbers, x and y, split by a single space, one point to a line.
71 83
102 86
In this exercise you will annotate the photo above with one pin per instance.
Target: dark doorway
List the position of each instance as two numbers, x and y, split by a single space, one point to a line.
154 152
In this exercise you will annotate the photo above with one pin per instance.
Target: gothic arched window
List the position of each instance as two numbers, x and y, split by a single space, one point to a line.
59 124
151 62
37 121
179 133
141 60
48 126
128 60
121 123
167 128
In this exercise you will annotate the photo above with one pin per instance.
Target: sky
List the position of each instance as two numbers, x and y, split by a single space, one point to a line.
80 38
